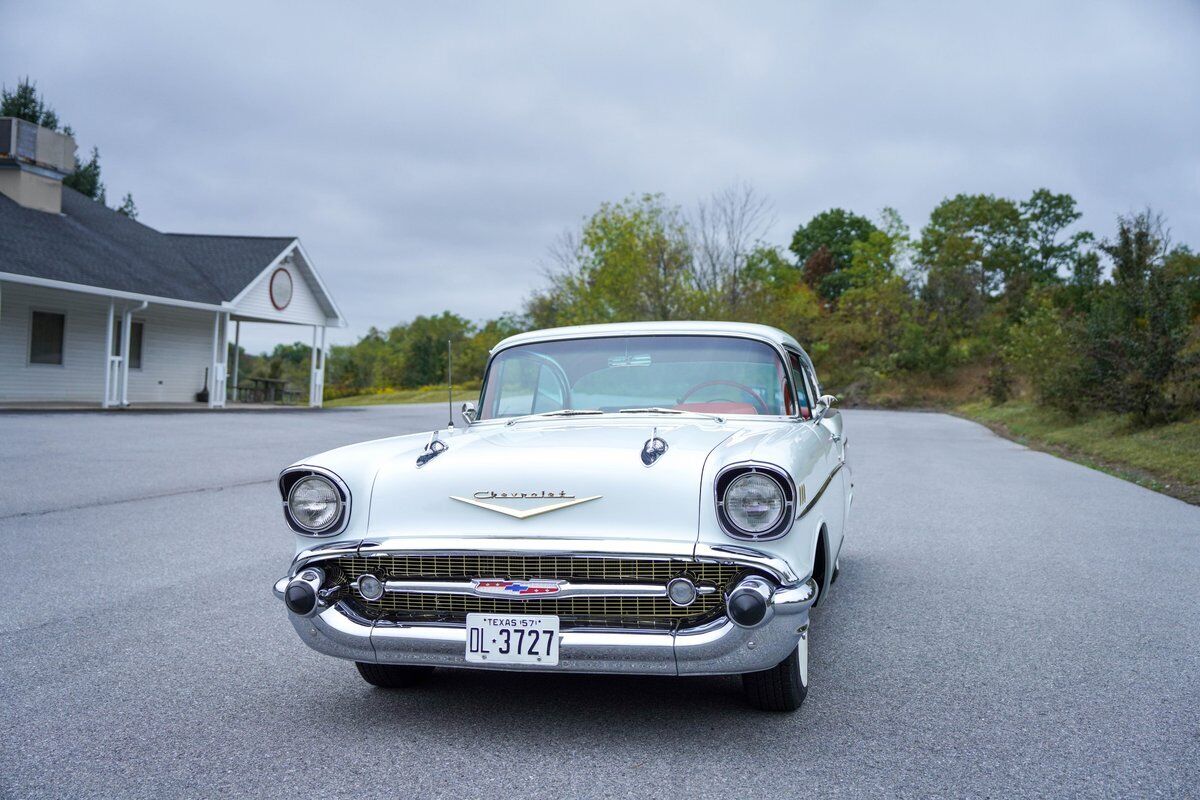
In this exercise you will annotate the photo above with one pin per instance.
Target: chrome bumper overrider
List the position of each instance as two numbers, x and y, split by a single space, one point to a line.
717 648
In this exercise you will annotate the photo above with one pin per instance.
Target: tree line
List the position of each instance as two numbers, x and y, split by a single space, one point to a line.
993 297
25 102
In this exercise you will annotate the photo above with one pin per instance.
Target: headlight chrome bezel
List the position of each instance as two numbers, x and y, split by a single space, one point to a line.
291 477
725 479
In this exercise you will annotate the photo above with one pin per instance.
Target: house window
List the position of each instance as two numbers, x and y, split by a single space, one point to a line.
46 337
135 343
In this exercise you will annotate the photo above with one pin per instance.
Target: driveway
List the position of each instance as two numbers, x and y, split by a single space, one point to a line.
1006 624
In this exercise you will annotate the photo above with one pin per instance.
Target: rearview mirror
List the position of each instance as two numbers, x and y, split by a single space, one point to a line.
468 413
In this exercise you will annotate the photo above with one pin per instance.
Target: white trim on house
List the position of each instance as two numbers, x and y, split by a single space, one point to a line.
310 274
83 288
267 271
341 321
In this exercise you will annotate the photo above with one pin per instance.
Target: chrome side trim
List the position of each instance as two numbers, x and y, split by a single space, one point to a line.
816 497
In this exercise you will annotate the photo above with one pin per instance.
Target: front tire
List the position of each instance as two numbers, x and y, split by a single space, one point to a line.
784 686
392 676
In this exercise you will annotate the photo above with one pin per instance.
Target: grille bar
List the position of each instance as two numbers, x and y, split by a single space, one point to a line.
633 611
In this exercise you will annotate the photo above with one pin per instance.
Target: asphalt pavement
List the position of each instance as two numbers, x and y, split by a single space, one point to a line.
1006 624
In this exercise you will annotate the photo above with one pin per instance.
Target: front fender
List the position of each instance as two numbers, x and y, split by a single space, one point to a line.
796 449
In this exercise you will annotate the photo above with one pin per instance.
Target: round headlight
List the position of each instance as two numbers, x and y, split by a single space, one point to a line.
314 503
754 502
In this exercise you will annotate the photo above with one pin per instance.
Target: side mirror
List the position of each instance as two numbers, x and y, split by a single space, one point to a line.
824 403
468 413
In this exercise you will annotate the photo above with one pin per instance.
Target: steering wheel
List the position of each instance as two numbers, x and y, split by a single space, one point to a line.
760 405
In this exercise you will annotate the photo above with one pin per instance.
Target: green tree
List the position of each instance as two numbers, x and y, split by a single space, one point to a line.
972 244
26 103
835 230
128 207
86 177
1150 309
630 261
1053 253
424 347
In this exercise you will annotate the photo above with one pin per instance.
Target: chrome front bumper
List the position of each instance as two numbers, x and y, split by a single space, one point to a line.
718 648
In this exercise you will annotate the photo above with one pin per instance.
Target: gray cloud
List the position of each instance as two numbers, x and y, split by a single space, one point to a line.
428 155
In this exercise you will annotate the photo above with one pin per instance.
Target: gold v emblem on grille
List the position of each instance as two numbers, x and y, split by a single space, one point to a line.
525 513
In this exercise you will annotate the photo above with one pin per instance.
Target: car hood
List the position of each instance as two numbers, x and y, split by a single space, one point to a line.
589 471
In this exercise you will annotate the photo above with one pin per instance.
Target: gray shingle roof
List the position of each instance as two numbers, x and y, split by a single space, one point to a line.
93 245
229 262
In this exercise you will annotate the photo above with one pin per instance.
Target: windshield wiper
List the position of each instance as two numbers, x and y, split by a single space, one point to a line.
662 410
565 412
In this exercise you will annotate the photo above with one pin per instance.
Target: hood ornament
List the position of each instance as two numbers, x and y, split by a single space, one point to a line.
432 450
561 500
653 449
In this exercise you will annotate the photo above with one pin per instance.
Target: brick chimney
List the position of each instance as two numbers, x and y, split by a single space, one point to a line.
33 162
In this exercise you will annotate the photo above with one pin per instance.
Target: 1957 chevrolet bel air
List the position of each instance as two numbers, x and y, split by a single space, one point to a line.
647 498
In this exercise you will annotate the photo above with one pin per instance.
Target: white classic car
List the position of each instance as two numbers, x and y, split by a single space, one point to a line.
646 498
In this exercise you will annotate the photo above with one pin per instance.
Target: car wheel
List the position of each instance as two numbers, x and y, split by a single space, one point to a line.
392 676
783 686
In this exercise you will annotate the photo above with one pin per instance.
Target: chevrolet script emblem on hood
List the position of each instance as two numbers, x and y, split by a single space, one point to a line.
558 500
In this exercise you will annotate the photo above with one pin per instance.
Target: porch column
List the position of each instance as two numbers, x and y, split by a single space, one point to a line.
237 353
316 378
220 348
126 333
111 362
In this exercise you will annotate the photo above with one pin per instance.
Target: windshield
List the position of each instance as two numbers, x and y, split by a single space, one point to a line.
706 374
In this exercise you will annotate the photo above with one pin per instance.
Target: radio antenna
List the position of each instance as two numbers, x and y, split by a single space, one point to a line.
450 382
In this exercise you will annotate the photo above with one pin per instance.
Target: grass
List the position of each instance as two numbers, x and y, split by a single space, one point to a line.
1165 459
425 394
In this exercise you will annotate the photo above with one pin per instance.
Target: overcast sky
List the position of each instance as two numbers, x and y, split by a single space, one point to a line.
427 154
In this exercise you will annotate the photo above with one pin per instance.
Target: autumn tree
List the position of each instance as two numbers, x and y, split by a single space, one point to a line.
835 230
631 260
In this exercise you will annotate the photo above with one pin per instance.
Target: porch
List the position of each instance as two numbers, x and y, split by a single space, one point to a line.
64 349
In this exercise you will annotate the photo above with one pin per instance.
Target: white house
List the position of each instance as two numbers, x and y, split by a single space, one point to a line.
97 307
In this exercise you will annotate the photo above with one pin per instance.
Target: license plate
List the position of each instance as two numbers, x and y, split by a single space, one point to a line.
512 639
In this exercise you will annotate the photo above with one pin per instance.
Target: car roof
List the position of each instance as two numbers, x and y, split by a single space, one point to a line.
678 328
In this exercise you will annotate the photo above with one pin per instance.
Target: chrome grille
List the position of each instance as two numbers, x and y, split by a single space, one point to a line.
626 612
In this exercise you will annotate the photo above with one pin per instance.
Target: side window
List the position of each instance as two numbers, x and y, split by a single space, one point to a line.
801 381
527 387
46 331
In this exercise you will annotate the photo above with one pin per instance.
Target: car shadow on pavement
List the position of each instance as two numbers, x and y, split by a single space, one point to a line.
569 704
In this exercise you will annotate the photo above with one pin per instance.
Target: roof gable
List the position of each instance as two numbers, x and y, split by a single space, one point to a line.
92 245
230 263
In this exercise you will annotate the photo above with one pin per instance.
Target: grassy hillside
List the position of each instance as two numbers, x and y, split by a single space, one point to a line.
1164 458
425 394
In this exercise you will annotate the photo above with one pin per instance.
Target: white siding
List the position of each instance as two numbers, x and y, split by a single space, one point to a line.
176 349
304 309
